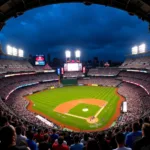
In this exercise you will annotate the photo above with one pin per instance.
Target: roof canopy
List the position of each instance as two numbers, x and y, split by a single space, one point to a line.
15 8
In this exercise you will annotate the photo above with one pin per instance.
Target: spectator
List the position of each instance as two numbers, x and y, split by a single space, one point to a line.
45 145
4 121
76 145
29 131
146 120
140 123
85 139
120 139
144 142
8 139
133 136
102 142
54 136
39 136
20 138
62 135
92 145
126 131
60 145
30 142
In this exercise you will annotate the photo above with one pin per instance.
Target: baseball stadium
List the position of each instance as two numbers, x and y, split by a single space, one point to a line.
73 102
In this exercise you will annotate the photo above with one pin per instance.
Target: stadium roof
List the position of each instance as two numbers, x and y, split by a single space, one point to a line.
15 8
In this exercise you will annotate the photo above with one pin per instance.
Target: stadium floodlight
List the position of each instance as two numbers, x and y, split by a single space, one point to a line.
9 50
14 51
134 50
77 53
68 54
20 53
142 48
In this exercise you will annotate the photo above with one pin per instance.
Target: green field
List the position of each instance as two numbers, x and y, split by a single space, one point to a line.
77 110
47 101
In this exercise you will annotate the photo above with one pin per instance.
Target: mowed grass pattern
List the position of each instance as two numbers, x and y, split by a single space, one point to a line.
77 110
46 101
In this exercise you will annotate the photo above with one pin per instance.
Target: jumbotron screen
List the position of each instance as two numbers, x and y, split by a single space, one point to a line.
73 67
40 60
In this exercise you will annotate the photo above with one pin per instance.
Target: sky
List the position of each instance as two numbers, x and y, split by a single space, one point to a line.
96 30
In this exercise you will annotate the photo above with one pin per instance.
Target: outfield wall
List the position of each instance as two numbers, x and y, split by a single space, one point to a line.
69 81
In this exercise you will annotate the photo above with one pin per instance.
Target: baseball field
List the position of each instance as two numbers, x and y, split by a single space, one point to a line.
80 108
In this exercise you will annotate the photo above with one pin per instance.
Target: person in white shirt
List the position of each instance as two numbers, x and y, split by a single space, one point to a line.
20 139
120 139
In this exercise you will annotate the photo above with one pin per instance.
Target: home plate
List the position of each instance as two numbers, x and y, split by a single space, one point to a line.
85 109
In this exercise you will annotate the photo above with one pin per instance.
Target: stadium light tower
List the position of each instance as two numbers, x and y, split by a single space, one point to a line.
78 55
20 53
9 50
134 50
68 55
142 48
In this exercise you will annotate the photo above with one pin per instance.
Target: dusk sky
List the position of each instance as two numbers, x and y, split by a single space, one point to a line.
96 30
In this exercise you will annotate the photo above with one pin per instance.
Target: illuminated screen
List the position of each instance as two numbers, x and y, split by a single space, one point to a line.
40 60
124 106
73 67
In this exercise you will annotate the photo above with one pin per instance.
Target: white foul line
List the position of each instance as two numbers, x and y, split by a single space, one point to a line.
75 116
99 111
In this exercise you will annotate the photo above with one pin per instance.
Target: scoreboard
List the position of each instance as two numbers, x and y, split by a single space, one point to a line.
40 60
73 67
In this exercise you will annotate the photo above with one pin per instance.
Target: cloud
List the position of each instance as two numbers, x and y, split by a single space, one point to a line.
96 30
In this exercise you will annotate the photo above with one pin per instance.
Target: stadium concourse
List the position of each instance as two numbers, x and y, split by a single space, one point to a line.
19 78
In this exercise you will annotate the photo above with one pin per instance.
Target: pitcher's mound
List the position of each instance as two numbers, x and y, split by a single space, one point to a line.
92 120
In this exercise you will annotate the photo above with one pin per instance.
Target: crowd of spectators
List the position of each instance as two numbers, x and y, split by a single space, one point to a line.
17 103
15 66
137 63
138 78
137 102
20 66
73 74
104 71
17 134
9 83
21 130
104 81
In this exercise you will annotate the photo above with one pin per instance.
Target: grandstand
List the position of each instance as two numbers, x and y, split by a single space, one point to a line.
21 129
17 83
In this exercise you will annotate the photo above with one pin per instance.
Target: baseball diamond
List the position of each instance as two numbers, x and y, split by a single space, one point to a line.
64 106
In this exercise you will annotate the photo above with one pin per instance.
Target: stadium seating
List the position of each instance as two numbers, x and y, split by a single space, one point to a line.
10 83
13 110
138 102
15 66
137 78
73 74
137 63
104 81
107 71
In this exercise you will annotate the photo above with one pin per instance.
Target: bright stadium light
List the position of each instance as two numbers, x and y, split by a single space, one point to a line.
68 54
14 51
20 53
77 53
134 50
9 50
142 48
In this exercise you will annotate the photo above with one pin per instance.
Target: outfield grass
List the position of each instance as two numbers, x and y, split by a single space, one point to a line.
77 110
46 102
